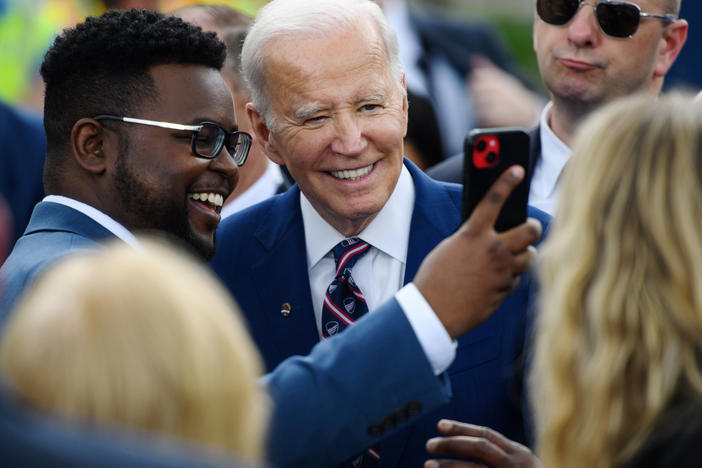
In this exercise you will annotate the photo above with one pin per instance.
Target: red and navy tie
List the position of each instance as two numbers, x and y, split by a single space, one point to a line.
344 304
343 301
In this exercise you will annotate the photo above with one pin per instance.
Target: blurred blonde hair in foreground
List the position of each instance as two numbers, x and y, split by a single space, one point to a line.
619 337
141 337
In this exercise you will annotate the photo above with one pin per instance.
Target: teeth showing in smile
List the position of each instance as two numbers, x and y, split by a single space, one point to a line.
353 174
213 199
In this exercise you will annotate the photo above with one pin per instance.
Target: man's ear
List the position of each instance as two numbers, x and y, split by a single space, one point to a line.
87 141
674 37
263 134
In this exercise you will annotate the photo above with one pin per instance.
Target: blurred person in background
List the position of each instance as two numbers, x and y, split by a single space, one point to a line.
589 54
28 27
617 372
144 338
23 144
462 69
260 178
686 72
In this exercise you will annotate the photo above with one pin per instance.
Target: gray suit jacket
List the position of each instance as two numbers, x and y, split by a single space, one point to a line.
54 230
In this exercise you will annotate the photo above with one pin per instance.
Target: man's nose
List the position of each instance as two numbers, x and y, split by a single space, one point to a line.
583 29
224 164
348 136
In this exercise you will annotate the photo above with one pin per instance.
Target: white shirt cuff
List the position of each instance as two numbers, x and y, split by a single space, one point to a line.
438 346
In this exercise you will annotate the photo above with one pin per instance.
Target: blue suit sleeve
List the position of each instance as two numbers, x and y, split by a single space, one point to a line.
351 391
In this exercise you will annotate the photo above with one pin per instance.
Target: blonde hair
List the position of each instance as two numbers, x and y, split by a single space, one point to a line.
620 330
141 337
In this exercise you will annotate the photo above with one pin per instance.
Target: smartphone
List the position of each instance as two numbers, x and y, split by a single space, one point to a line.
487 153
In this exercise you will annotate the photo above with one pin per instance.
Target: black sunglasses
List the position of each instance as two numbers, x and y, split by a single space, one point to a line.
207 139
616 19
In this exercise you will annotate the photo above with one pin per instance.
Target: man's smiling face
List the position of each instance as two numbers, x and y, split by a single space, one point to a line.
340 119
158 184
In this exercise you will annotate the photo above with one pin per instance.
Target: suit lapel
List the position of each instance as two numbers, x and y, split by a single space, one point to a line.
433 219
281 277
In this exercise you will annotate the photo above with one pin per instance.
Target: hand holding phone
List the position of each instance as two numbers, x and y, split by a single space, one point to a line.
487 154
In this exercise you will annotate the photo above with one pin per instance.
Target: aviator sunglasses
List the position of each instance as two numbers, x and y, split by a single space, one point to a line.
616 19
207 139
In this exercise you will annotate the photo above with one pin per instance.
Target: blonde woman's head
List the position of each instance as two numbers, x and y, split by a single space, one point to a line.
141 337
620 330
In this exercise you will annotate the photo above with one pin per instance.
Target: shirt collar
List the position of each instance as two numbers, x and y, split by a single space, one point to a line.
554 152
96 215
388 232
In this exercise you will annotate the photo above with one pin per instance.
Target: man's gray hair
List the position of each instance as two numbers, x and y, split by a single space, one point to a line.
281 18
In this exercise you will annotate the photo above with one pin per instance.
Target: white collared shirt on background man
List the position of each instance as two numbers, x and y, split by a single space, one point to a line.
545 182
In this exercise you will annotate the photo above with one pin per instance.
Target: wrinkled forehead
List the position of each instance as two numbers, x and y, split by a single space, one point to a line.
191 94
349 64
322 54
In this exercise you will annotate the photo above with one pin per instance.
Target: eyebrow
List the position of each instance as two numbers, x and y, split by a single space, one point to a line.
372 97
199 120
306 112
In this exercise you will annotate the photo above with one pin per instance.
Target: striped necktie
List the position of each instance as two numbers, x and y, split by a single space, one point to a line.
343 301
344 304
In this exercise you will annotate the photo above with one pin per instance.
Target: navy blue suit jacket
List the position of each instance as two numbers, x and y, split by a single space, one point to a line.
304 388
261 257
27 440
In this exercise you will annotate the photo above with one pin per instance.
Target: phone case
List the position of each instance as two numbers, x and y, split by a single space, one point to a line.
488 152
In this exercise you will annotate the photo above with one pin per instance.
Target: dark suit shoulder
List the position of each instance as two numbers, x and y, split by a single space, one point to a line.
449 170
458 39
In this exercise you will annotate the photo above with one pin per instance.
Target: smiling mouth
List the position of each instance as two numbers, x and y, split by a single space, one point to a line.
213 200
353 174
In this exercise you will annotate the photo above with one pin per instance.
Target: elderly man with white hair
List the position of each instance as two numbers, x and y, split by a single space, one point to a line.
329 102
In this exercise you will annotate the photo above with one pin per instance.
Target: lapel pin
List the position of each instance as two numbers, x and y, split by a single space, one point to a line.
285 309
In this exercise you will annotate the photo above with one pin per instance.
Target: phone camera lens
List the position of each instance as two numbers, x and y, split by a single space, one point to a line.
481 145
491 157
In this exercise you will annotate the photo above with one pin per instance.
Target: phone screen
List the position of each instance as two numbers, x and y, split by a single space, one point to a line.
488 153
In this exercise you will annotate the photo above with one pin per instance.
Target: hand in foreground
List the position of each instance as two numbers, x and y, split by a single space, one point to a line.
466 277
486 447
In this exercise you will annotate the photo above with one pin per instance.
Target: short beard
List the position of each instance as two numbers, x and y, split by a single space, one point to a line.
149 212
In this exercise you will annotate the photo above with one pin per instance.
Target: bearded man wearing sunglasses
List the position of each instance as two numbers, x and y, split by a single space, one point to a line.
589 53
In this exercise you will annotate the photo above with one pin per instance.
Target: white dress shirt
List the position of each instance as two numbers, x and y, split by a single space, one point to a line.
266 186
545 182
380 272
96 215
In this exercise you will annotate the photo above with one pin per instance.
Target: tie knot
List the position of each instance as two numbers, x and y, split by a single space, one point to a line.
348 251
